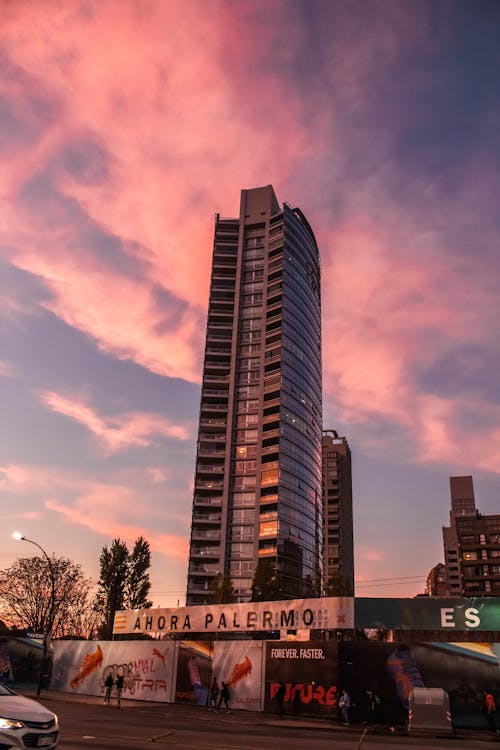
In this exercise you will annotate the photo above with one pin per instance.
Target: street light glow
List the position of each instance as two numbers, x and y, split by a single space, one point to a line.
48 627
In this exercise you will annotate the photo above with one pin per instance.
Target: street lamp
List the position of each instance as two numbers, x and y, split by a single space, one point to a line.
20 537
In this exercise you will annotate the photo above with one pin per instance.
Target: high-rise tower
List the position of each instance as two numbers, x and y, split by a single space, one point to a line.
338 549
257 492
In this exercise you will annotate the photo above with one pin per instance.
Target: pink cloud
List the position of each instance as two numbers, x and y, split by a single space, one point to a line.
391 321
124 505
81 514
119 431
156 192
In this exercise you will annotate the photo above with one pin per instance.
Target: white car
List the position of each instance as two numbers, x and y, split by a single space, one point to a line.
25 723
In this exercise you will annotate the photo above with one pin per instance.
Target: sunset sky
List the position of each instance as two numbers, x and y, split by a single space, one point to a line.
125 125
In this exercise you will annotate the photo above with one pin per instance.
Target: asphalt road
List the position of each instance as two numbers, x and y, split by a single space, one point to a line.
143 726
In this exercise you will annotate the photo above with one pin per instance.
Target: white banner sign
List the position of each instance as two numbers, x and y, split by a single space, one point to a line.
328 613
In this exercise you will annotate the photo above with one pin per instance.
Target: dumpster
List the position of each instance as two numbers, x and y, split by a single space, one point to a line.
429 712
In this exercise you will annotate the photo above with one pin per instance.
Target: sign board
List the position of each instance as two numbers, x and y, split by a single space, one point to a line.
327 613
429 613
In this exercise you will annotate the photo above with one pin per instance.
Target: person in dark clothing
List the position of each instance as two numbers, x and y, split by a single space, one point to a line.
213 694
108 686
372 707
224 696
280 696
119 690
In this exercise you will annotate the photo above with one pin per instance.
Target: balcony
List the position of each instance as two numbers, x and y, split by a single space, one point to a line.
208 485
206 552
212 422
202 451
203 568
212 469
212 535
207 517
210 378
207 501
207 407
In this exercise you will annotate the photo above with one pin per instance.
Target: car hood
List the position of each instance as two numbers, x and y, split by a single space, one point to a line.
24 709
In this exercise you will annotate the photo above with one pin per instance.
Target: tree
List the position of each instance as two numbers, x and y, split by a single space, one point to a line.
138 585
28 602
123 583
221 589
266 582
340 586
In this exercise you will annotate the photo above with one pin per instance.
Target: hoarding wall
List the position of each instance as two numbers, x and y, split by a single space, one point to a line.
391 670
313 672
147 667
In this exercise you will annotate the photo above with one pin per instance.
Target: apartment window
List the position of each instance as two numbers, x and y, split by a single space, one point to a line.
253 324
246 436
268 528
247 391
241 515
243 499
244 451
269 476
241 548
254 241
244 467
245 481
247 420
249 364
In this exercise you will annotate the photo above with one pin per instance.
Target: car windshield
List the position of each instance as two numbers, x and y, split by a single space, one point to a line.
5 690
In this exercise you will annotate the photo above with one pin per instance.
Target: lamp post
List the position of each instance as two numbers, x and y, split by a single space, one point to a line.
20 537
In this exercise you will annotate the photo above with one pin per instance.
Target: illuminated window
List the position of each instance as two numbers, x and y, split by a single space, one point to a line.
268 528
270 476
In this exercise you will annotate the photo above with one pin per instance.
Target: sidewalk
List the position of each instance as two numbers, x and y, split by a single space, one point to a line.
242 717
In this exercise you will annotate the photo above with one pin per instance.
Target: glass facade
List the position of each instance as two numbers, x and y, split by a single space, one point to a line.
258 484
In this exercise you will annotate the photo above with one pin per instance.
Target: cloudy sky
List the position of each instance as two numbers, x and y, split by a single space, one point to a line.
125 125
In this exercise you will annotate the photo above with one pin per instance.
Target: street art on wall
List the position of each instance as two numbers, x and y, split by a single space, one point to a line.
194 671
239 665
392 670
313 672
309 672
146 666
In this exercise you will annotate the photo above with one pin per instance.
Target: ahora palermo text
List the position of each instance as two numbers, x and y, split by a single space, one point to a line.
309 614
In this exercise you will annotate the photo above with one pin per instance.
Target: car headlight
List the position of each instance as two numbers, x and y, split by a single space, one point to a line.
10 723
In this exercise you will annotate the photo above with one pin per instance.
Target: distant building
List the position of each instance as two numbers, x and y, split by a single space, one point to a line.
338 553
437 581
257 488
471 545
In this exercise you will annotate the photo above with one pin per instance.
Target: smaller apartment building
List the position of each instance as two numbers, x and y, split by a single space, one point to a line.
471 545
479 551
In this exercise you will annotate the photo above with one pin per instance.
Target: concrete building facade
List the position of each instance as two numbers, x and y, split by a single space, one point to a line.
257 490
338 550
471 544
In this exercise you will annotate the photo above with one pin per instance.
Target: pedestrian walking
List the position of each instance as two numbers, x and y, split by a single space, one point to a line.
345 705
108 686
119 690
490 708
373 707
224 696
212 695
280 696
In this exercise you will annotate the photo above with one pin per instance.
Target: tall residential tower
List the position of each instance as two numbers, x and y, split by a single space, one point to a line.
338 548
257 491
